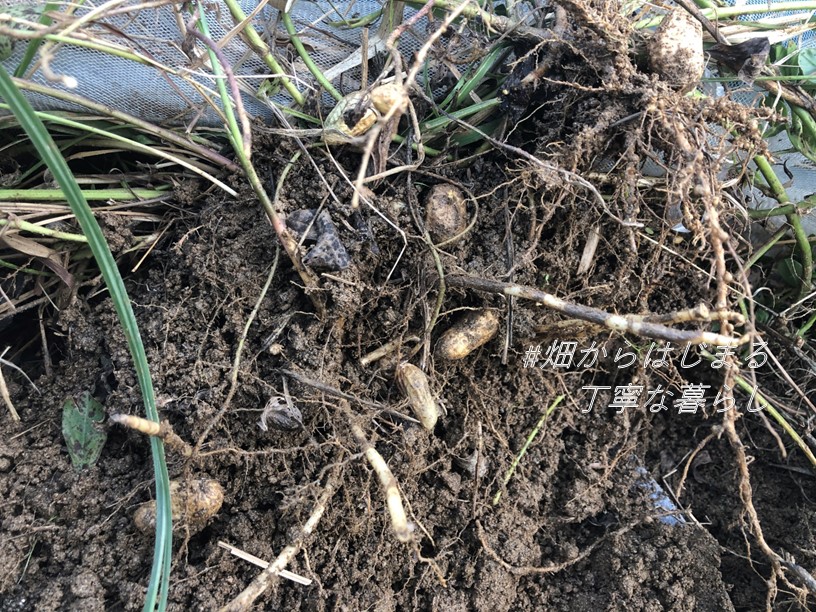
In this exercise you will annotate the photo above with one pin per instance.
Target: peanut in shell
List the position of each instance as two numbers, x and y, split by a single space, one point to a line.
414 384
192 502
473 330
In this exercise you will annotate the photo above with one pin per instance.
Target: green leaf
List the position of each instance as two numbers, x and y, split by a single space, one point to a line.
80 422
790 271
807 61
268 89
786 52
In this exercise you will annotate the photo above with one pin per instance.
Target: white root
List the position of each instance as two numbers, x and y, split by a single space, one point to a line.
393 499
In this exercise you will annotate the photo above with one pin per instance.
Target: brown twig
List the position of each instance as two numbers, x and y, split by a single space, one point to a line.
634 324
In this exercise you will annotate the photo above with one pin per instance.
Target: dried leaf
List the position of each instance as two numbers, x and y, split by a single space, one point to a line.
280 415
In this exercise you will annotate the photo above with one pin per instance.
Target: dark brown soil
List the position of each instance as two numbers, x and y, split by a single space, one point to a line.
70 542
575 527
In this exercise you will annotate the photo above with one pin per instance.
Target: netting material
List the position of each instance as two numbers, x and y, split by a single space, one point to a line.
176 95
162 97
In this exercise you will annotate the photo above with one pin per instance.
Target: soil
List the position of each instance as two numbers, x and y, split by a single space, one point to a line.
577 525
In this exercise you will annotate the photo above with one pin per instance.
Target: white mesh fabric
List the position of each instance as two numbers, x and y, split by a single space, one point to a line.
158 96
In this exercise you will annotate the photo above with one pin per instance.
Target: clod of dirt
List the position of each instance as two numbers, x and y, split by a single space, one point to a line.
468 333
192 502
414 384
676 51
445 212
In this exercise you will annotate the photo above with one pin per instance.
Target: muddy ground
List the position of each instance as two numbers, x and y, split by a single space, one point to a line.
575 527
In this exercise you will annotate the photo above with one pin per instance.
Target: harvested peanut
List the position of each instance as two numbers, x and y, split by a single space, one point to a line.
385 97
467 334
192 502
445 212
357 113
414 384
676 51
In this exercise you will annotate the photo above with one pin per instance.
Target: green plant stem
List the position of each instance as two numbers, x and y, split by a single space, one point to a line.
32 271
770 409
807 122
233 129
33 45
487 64
289 244
360 22
262 49
717 13
527 443
440 122
778 417
304 55
777 189
428 150
758 214
781 196
109 49
57 195
779 78
42 231
769 244
469 138
806 327
30 122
